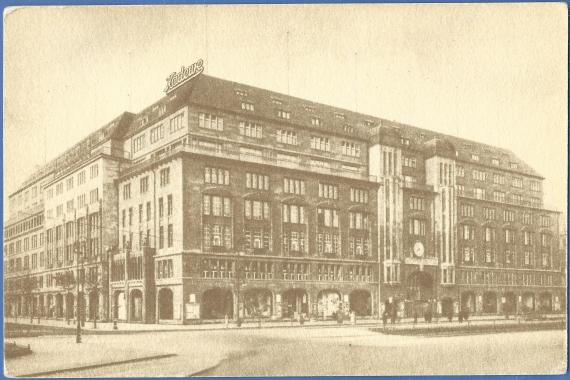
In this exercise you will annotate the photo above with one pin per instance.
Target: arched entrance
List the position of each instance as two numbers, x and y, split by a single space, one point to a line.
294 301
545 302
329 303
420 286
468 302
361 302
69 306
165 304
490 302
258 303
527 302
59 305
217 303
120 311
136 305
510 304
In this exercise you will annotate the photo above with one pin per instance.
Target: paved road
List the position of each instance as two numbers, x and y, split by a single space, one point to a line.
339 351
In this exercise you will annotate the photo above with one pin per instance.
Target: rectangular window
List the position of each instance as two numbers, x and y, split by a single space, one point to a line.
545 221
517 182
479 175
350 149
176 123
320 143
479 193
489 213
170 235
499 196
286 137
81 177
127 191
250 130
508 215
417 204
94 196
460 171
138 143
328 191
256 181
69 183
489 234
217 176
293 186
284 114
164 176
169 205
247 106
156 133
417 227
409 162
358 195
161 237
160 207
527 218
498 179
94 170
143 185
209 121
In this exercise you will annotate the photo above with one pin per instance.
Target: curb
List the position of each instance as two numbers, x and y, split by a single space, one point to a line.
92 366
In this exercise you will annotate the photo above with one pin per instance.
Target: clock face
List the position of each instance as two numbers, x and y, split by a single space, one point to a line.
419 249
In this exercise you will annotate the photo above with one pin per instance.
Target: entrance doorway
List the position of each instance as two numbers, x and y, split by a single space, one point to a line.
217 303
295 301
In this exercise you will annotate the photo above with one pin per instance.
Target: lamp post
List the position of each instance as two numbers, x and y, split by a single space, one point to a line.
79 257
238 285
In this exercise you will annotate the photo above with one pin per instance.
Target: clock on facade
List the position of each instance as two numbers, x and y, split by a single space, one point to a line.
419 249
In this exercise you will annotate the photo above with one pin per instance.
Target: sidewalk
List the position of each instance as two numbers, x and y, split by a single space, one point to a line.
123 327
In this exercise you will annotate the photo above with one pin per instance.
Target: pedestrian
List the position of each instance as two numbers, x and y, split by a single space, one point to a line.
384 318
450 315
415 317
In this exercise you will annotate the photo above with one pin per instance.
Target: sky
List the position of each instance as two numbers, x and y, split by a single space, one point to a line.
492 73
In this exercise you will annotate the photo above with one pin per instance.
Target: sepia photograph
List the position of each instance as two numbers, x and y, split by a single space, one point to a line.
285 190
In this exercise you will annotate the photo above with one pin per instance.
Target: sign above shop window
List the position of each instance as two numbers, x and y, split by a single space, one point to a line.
177 79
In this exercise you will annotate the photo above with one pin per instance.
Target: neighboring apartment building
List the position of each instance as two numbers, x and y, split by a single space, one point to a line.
223 197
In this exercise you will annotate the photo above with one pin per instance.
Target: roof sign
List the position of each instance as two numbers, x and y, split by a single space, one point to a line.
177 79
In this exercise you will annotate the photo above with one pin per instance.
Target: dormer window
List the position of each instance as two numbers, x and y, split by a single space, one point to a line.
474 157
309 108
284 114
339 116
277 101
241 92
514 165
495 161
247 106
368 123
143 120
348 128
162 110
405 141
317 122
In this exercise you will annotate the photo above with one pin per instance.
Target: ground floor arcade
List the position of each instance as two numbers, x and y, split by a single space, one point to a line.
93 304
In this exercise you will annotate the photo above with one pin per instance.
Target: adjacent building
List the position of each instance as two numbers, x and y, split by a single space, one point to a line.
224 200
